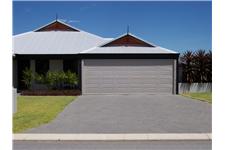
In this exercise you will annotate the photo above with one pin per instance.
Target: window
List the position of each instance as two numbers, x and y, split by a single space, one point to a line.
70 65
42 66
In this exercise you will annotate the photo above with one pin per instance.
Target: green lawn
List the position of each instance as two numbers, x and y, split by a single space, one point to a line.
200 96
33 111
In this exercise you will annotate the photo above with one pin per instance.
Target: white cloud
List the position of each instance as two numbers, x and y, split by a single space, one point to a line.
69 21
73 21
63 20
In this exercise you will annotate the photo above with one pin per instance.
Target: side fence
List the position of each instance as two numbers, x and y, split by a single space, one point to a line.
194 87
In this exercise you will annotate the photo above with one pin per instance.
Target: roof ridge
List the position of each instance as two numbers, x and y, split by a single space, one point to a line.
125 34
59 21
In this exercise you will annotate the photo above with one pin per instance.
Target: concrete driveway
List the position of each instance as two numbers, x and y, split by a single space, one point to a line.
131 114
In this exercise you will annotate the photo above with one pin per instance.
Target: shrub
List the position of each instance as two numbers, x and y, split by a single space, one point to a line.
57 79
27 77
51 79
39 78
71 78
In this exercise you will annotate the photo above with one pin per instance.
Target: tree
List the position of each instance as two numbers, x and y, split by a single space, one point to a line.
201 65
209 66
197 66
187 65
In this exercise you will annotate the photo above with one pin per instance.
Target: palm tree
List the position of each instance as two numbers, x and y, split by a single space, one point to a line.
202 65
209 66
187 65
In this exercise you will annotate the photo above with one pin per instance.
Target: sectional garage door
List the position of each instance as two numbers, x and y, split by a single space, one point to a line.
127 76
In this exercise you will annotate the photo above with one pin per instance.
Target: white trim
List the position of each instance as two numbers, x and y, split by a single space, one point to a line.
170 51
88 50
21 34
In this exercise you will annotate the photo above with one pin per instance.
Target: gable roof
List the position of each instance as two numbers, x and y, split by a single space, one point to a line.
121 45
60 38
128 40
41 41
56 26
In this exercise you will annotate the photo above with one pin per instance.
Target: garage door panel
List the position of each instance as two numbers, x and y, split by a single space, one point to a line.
116 72
127 81
148 86
126 62
130 75
111 76
130 68
124 73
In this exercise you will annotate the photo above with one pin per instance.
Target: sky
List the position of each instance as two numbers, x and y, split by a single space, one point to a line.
178 26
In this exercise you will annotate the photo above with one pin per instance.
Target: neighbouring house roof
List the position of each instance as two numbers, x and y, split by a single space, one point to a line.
128 44
55 41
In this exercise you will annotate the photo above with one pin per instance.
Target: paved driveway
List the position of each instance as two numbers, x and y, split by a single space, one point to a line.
131 114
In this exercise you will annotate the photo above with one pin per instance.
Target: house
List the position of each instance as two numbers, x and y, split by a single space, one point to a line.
124 65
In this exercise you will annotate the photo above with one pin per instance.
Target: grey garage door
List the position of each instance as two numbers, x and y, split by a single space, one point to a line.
127 76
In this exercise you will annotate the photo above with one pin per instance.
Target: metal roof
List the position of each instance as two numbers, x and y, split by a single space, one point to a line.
55 42
114 39
67 42
127 49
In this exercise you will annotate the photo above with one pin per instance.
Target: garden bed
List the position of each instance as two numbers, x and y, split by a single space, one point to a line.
72 92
